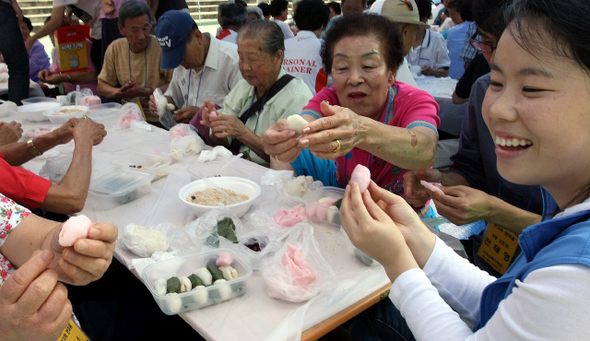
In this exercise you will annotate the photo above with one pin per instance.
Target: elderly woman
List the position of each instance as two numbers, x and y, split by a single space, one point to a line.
366 118
265 95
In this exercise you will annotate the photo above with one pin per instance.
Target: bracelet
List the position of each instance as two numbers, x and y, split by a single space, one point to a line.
32 149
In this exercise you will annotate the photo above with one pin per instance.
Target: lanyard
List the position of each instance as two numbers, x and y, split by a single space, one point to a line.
146 74
188 91
388 117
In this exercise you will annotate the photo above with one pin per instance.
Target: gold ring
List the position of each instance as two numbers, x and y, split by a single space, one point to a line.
337 149
84 116
277 157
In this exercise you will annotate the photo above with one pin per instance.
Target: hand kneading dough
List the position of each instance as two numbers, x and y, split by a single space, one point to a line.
362 176
73 229
431 186
296 122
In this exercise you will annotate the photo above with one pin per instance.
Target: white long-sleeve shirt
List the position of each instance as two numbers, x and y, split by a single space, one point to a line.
550 304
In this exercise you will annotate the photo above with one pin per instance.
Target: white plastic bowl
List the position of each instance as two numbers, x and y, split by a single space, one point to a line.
35 112
238 185
33 100
63 114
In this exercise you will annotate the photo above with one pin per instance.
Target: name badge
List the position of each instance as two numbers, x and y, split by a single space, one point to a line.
498 247
73 333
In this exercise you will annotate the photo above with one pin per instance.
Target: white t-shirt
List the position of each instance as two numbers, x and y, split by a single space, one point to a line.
285 27
432 52
89 13
302 59
218 77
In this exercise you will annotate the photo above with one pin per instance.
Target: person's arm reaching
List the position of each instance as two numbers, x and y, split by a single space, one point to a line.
57 17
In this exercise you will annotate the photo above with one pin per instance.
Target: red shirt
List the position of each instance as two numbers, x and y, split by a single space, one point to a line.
22 185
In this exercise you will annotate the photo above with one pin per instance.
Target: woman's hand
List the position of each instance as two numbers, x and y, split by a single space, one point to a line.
50 77
334 135
33 304
186 114
378 228
462 204
416 194
280 142
89 258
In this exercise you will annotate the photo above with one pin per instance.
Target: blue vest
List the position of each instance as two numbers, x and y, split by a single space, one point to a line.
555 241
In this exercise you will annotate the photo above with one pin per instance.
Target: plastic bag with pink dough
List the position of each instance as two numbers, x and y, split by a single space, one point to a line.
184 141
129 116
297 271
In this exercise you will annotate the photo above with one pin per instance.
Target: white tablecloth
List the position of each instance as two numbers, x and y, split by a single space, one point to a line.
254 316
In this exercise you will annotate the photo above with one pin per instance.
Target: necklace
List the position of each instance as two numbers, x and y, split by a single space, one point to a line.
131 75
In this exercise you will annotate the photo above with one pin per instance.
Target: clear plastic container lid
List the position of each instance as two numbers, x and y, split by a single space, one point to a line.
121 181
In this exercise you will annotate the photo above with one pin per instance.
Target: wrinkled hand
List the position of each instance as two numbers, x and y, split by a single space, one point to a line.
186 114
378 228
84 128
208 111
50 77
152 105
88 259
416 194
280 141
131 90
10 132
426 70
33 304
340 124
462 204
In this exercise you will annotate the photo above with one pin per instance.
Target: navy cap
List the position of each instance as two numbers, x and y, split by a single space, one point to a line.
172 30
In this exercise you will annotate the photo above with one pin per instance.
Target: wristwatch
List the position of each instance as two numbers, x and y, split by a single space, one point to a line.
32 149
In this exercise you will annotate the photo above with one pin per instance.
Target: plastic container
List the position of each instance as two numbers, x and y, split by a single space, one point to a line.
238 185
63 114
200 297
103 111
142 161
322 213
35 112
120 187
34 100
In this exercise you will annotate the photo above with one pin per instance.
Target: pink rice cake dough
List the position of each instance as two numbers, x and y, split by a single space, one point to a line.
224 259
321 213
432 186
362 176
290 217
302 273
90 100
75 228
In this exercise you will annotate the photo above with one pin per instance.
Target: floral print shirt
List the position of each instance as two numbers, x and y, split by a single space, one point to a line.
11 214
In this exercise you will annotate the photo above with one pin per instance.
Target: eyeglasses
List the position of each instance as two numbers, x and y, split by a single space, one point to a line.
409 4
481 46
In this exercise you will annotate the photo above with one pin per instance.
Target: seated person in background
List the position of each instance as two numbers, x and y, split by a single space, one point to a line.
473 189
366 118
233 17
10 132
302 54
349 7
456 36
430 48
265 10
279 9
38 58
265 95
128 70
186 49
334 9
85 79
33 191
254 13
34 303
408 19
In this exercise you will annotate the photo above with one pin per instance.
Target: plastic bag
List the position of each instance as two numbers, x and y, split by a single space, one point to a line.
76 97
297 271
129 115
55 169
184 141
210 155
90 100
204 230
143 241
291 191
